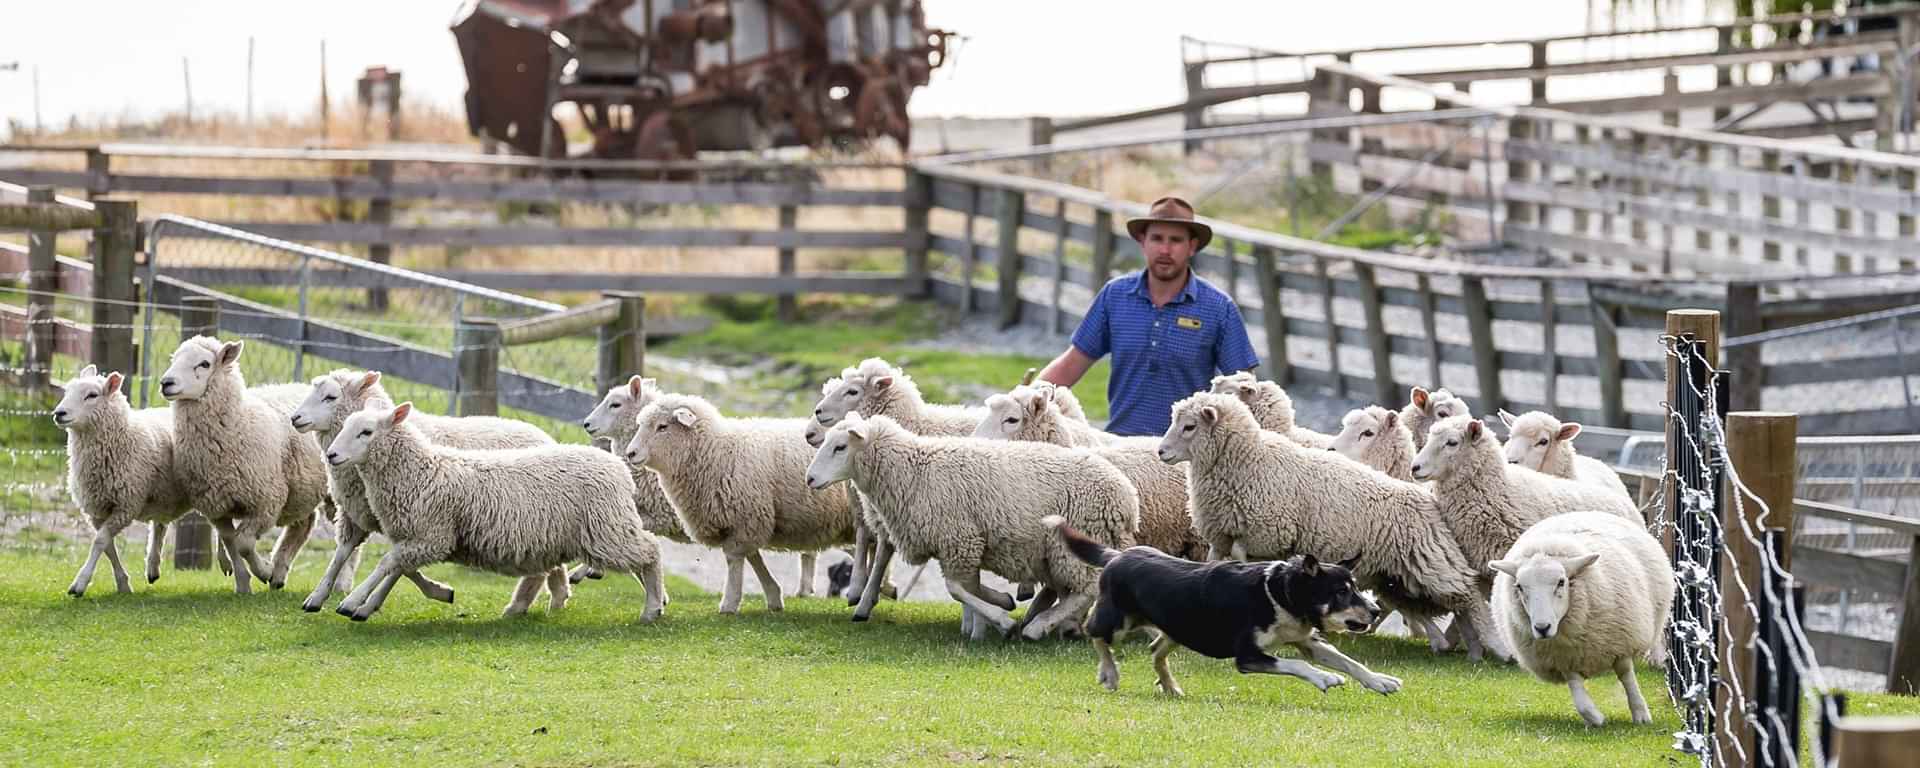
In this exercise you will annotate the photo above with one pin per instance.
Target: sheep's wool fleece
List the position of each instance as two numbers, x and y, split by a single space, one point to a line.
1616 608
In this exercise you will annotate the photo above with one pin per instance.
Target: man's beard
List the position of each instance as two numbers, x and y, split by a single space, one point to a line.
1166 272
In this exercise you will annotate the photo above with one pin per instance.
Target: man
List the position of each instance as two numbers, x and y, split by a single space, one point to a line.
1168 330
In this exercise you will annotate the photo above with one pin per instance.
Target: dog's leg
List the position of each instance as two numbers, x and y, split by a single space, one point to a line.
1262 663
1330 656
1583 703
1623 668
1109 671
982 610
1162 647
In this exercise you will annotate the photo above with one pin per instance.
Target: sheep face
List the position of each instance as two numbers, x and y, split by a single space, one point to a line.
85 395
1009 414
1540 584
332 400
1440 404
361 430
847 398
663 437
1533 437
1230 383
1361 429
1191 421
624 401
833 461
1448 445
195 363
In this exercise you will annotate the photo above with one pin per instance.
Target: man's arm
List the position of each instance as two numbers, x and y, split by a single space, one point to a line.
1066 370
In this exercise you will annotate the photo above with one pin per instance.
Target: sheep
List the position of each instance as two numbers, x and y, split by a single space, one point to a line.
1257 495
1582 594
119 469
1031 414
1272 407
1538 441
341 393
239 459
877 388
1486 501
977 504
1424 408
737 484
521 511
1065 399
1378 438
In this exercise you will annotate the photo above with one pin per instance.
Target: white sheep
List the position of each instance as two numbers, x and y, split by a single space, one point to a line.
520 512
1424 409
739 486
1378 438
1032 414
1258 495
1538 441
877 388
1486 501
341 393
1583 594
119 469
1271 406
978 504
239 458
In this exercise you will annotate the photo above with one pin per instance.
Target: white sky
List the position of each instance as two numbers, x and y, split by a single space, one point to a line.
1059 57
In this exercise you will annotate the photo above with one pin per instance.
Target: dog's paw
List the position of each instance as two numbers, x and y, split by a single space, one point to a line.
1172 689
1325 680
1382 683
1110 678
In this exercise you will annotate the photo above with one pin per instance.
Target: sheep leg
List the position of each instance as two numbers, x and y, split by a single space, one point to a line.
220 555
120 581
730 599
349 538
1330 656
230 537
876 573
379 595
768 587
1436 638
558 588
1042 600
1238 551
102 539
1070 608
967 621
1623 668
1583 703
1109 675
807 561
656 585
862 560
156 539
343 581
434 590
524 592
983 611
246 547
359 595
292 537
1162 648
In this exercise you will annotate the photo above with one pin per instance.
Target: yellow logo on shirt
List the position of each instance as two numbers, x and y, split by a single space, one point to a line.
1188 322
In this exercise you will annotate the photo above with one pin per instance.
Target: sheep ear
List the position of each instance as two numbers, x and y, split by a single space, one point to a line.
370 379
1507 567
685 417
1507 418
1474 428
401 411
1419 397
89 371
1210 415
1393 419
1578 563
883 382
113 382
1568 431
857 428
634 385
230 352
1246 391
1039 404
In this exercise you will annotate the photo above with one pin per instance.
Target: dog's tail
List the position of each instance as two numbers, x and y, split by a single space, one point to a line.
1093 552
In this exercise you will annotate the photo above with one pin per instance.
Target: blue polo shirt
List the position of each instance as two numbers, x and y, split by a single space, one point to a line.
1161 354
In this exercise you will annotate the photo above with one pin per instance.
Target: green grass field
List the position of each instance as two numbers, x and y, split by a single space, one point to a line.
185 673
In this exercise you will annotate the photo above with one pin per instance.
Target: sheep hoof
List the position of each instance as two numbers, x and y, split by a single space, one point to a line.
153 577
1172 690
1593 717
123 587
860 617
361 616
75 591
276 585
310 607
344 611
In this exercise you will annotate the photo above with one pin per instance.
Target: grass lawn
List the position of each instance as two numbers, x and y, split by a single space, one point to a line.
184 672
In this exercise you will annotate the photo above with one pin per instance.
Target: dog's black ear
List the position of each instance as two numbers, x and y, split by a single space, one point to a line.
1310 565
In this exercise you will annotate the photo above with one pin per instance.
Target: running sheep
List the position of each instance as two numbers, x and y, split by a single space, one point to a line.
119 469
1271 406
1378 438
1538 441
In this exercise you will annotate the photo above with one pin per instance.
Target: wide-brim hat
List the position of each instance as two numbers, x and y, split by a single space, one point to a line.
1171 210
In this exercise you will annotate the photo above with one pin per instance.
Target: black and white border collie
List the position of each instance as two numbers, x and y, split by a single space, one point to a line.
1227 610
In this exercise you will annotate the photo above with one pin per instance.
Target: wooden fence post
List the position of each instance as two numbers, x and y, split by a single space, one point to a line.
113 246
1903 675
1606 360
1385 389
1012 205
1195 114
970 253
623 342
1876 742
1338 380
1538 81
788 310
1273 313
43 285
1486 361
99 174
1760 447
1704 324
192 534
476 346
1743 317
919 203
1549 348
380 213
1102 247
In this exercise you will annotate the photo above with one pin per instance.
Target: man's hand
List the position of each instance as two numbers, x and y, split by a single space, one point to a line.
1066 370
